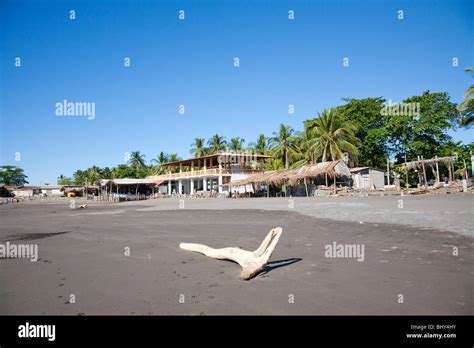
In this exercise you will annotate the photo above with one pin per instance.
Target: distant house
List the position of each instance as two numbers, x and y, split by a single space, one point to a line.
52 190
23 191
368 178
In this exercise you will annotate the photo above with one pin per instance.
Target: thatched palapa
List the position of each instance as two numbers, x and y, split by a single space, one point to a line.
278 177
419 164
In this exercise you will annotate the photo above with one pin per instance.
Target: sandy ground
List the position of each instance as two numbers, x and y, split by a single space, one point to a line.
408 252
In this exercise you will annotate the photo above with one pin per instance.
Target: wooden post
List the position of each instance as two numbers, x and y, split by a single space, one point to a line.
419 175
326 175
465 169
406 171
449 170
306 187
388 172
424 170
335 184
437 170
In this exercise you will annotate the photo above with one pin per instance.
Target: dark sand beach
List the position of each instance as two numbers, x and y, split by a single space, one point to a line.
82 252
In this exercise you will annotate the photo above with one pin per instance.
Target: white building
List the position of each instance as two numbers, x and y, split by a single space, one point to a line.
368 178
208 173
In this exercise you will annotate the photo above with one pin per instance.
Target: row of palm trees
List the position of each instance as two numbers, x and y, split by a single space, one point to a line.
327 137
324 138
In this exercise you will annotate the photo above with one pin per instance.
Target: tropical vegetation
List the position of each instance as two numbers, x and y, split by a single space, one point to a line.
357 131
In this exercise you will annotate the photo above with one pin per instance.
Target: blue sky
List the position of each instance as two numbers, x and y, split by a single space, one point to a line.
190 62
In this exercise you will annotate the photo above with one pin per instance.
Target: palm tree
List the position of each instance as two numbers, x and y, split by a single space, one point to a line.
236 144
92 175
159 160
330 136
217 144
137 162
303 152
173 157
283 143
274 164
467 106
197 147
260 145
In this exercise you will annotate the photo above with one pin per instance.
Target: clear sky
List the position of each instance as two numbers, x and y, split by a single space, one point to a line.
191 62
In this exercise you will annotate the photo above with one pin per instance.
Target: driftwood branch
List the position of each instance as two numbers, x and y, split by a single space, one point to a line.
252 262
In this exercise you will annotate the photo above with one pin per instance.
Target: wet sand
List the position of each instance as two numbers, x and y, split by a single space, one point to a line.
82 253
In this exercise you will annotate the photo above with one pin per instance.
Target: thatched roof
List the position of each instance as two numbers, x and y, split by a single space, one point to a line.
311 171
279 177
419 164
127 181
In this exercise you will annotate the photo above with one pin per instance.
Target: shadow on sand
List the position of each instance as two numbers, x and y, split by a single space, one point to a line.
277 264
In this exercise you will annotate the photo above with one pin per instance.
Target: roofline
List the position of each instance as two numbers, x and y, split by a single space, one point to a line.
216 155
364 168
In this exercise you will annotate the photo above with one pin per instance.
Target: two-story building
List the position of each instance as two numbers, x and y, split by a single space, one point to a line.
208 173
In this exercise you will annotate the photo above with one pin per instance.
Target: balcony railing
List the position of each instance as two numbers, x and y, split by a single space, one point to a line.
203 172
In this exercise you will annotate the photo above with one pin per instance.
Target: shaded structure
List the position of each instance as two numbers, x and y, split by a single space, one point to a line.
420 167
127 188
325 172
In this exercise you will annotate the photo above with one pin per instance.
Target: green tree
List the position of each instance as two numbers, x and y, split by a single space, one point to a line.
421 135
123 171
467 106
198 148
161 159
63 180
261 145
236 144
304 154
365 116
283 143
92 175
137 162
216 144
12 176
274 164
330 136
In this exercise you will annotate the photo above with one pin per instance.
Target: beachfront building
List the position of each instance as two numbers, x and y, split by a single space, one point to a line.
206 175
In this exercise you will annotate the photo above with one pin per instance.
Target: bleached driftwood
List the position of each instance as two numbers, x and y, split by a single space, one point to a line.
252 262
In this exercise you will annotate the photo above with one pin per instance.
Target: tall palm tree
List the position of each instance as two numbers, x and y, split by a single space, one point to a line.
303 152
467 106
331 136
173 157
260 145
159 160
236 144
217 143
137 162
283 143
92 175
198 147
